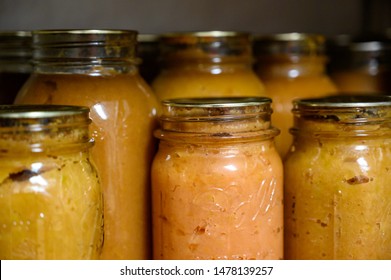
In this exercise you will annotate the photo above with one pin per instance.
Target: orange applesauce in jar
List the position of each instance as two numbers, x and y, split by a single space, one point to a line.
217 181
291 65
337 179
98 69
206 64
50 195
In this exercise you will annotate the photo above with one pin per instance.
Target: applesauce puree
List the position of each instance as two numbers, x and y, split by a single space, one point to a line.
336 181
50 197
206 64
217 192
123 111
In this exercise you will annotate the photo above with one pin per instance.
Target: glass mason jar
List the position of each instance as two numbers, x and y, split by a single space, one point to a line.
206 64
217 181
97 68
291 65
337 179
15 66
50 195
360 67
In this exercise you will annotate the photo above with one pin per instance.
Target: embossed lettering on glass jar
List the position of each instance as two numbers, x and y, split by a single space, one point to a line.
98 69
50 196
337 179
206 64
291 65
217 181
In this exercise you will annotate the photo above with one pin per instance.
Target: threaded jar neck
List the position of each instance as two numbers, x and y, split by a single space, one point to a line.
214 47
15 51
223 118
347 115
92 52
289 44
38 128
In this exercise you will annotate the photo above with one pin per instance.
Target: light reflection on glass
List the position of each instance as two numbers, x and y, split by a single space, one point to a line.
231 167
216 71
100 111
35 167
38 180
363 164
293 73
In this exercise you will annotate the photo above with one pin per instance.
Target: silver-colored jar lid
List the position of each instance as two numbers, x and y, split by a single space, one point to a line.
345 108
84 44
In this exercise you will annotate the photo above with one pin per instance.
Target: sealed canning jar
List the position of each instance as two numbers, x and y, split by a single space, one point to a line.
15 64
206 64
217 181
50 196
361 66
291 65
337 179
97 68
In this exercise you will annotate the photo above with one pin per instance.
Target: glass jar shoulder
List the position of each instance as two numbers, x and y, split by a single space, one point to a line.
46 88
306 86
172 84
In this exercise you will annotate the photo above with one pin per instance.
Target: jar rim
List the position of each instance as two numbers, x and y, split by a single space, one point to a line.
289 43
342 100
205 34
83 31
216 102
289 37
40 111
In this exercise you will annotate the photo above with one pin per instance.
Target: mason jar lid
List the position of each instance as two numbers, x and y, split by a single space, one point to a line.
147 38
84 44
344 101
215 109
208 44
217 102
36 115
39 128
345 108
229 107
289 43
16 51
204 36
15 44
231 118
